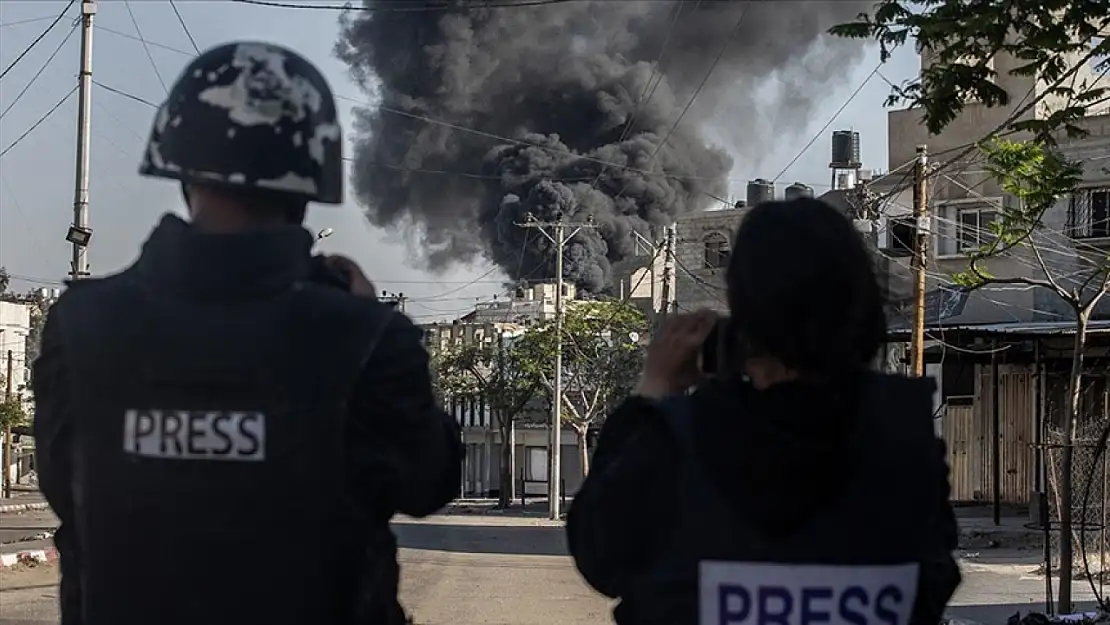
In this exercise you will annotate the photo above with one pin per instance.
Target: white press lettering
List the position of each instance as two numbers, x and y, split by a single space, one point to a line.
738 593
195 434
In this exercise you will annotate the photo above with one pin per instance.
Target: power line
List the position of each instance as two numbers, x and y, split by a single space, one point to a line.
120 33
27 21
832 119
405 7
181 20
37 123
124 94
39 73
652 84
37 39
697 92
146 48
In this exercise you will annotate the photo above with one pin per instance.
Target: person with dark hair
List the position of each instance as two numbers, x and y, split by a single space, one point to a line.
795 484
230 396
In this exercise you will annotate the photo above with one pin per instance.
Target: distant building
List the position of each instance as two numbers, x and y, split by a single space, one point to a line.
480 432
15 327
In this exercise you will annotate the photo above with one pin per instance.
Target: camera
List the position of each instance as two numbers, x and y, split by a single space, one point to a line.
717 350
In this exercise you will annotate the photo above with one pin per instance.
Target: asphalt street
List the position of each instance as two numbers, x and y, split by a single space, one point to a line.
510 570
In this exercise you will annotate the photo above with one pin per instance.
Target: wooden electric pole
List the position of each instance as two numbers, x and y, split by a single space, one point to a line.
559 237
920 259
669 286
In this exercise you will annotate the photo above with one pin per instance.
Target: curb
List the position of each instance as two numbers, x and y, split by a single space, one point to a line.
24 507
38 556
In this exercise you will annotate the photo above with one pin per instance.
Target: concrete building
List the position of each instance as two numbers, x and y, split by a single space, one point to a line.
702 247
964 200
530 435
528 304
990 451
15 326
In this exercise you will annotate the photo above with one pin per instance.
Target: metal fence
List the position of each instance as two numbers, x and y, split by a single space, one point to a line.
1090 474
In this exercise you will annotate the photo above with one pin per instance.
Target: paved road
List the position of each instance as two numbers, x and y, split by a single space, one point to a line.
18 527
471 570
456 570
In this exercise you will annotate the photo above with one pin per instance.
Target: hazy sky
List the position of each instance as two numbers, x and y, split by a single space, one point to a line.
37 176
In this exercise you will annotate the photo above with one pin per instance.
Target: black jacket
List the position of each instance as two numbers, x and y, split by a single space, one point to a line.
396 452
776 459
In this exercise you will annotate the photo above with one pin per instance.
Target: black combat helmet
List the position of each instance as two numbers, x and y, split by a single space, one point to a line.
250 116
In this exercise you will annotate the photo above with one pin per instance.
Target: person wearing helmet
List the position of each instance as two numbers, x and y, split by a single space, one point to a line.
223 433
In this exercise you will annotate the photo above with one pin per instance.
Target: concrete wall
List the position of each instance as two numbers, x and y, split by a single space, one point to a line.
15 325
965 186
699 286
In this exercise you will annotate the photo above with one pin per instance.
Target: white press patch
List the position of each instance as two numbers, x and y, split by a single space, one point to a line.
755 593
195 434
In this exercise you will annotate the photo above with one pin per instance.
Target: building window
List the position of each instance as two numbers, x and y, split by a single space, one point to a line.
901 232
535 464
973 229
716 250
958 383
1089 214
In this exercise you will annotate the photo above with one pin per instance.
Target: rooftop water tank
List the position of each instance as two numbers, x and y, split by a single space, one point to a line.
845 150
798 190
760 191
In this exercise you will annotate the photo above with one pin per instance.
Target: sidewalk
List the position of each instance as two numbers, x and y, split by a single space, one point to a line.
22 501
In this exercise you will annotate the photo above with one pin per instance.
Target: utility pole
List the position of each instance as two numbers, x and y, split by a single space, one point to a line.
920 258
8 431
669 285
79 233
559 238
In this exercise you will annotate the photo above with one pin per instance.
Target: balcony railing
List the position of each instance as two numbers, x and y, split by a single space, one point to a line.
1089 214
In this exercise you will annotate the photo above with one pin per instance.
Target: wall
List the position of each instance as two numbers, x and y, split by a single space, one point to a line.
969 434
15 325
965 186
699 286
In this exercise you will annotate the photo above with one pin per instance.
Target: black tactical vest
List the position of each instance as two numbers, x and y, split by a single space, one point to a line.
209 457
875 521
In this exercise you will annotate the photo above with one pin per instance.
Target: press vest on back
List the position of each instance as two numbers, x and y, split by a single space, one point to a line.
208 452
852 562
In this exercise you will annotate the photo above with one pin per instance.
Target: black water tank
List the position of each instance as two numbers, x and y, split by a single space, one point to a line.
740 204
845 149
797 190
760 191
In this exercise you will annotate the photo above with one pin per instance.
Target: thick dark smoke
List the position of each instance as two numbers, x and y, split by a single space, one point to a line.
587 91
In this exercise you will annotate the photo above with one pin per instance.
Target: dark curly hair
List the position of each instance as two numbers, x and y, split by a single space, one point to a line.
802 288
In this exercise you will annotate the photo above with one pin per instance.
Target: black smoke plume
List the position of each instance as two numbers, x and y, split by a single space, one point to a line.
587 92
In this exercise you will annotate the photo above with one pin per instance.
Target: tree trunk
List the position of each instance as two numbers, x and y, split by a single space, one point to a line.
507 493
1066 462
583 452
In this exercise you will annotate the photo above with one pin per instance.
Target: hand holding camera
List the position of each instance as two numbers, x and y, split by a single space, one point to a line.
672 363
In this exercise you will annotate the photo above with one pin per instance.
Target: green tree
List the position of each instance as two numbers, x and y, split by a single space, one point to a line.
602 352
1054 40
494 375
1038 177
1058 42
5 280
